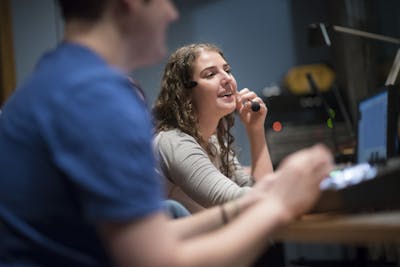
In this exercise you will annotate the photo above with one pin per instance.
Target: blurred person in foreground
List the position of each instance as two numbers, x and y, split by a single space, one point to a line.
78 185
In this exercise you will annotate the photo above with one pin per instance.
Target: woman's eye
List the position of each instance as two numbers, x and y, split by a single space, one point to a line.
209 75
229 71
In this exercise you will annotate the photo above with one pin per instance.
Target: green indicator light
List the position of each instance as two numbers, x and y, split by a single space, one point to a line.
329 123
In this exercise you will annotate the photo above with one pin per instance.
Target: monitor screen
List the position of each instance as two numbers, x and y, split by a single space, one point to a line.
372 128
377 127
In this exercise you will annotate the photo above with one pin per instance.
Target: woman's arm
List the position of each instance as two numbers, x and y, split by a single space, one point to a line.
261 163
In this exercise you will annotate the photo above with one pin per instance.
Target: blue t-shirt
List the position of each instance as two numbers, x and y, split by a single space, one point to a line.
75 151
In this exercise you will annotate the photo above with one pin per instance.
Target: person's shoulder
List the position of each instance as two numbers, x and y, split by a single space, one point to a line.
73 64
84 75
173 135
173 139
174 145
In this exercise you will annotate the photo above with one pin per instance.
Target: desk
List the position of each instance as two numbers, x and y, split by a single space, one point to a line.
326 224
344 228
336 219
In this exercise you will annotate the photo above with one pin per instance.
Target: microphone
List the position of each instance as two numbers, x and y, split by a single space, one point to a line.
314 89
328 109
190 84
255 106
331 113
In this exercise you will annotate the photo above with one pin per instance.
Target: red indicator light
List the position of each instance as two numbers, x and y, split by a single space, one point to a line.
277 126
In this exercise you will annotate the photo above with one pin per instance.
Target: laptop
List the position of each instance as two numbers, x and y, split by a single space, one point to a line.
377 139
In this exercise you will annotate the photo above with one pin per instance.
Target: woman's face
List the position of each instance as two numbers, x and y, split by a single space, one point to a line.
215 93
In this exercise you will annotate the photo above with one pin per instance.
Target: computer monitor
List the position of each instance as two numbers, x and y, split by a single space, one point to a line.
377 126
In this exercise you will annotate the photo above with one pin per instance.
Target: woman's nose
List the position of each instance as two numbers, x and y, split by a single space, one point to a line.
227 77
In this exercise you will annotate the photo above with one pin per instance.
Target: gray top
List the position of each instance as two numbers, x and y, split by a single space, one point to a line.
191 177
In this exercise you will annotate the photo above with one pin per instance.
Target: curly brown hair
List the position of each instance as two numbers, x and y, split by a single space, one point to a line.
174 109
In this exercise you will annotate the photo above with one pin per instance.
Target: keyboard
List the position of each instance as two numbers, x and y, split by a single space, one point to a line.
347 176
361 188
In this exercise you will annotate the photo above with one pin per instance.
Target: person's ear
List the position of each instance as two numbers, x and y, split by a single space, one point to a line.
133 5
129 8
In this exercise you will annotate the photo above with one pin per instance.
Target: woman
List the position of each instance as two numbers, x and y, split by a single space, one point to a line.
194 116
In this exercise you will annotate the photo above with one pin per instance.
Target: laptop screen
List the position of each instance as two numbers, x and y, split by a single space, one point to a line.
377 127
372 128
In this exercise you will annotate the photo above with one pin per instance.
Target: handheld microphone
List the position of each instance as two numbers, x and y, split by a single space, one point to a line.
255 106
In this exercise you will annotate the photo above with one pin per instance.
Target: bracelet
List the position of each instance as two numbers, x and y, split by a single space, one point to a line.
224 216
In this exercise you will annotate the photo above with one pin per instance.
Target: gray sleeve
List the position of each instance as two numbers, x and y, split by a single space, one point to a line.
185 163
241 176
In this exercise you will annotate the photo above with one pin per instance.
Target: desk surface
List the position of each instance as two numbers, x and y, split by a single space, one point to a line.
344 228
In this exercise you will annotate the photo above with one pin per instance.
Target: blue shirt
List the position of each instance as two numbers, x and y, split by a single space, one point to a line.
75 151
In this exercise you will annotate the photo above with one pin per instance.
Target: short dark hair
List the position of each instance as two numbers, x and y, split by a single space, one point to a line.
90 10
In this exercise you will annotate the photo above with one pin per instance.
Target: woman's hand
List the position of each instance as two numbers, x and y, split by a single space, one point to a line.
251 119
